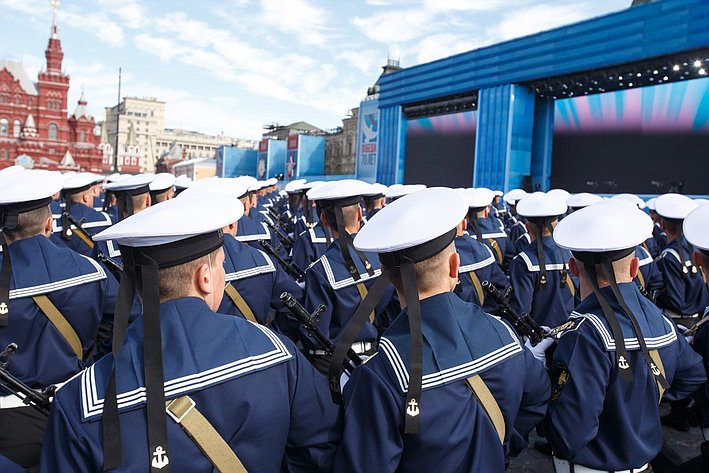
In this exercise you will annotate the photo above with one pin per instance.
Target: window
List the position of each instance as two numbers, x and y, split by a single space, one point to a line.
52 151
4 125
6 154
16 128
82 137
52 131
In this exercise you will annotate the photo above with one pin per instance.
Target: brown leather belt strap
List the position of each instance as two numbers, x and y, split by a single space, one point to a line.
362 289
644 245
204 435
487 400
570 284
81 233
61 324
478 287
655 355
496 246
240 303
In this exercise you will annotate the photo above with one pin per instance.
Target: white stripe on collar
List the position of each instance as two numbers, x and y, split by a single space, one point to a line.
314 238
63 284
113 252
447 375
491 235
630 343
268 267
345 282
256 236
534 268
646 259
676 255
93 406
479 264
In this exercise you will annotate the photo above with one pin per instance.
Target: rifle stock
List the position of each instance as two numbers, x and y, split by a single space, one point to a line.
294 271
40 400
522 323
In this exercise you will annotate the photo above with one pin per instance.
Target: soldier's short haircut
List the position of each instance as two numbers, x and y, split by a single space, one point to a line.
176 282
429 272
29 224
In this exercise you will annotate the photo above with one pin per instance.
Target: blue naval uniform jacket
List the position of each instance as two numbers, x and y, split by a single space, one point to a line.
250 231
492 230
684 295
648 268
258 279
456 435
82 290
309 246
477 257
701 346
255 388
595 418
329 282
549 305
92 221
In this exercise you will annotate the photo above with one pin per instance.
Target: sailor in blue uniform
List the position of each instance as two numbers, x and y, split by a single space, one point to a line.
696 230
482 228
649 278
374 199
52 301
162 188
341 278
310 245
477 264
658 234
452 385
237 394
309 216
619 355
254 281
541 282
78 197
685 295
514 226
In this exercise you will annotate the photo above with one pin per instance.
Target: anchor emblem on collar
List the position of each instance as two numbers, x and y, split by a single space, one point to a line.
3 308
413 409
160 461
622 363
655 370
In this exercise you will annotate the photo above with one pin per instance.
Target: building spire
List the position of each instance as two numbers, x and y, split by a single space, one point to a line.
55 27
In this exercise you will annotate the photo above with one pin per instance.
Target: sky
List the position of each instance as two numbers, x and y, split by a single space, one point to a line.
233 66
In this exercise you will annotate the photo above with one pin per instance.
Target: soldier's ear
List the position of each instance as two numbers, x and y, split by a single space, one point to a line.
634 267
573 267
453 265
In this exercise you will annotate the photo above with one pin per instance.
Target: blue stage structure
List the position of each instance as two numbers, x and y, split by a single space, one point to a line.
514 86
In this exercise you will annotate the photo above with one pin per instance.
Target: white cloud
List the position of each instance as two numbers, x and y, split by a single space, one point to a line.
442 45
468 5
97 24
366 61
394 26
296 17
538 18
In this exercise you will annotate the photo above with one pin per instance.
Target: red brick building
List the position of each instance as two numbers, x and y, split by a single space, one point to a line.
35 130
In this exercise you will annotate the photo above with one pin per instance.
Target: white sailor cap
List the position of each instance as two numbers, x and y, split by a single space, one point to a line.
607 226
138 183
514 195
540 204
632 198
116 176
651 203
233 187
674 206
271 182
257 186
310 185
399 190
583 199
696 228
182 182
8 171
498 193
283 193
560 193
174 220
480 197
29 186
376 189
399 225
294 186
80 182
338 190
702 202
162 182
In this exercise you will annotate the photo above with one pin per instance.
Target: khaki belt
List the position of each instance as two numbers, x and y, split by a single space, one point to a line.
488 402
204 435
478 287
240 303
496 246
61 324
362 289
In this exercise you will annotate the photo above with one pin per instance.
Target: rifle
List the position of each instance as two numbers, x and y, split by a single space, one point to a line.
40 400
310 323
294 271
113 265
522 323
287 240
284 223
